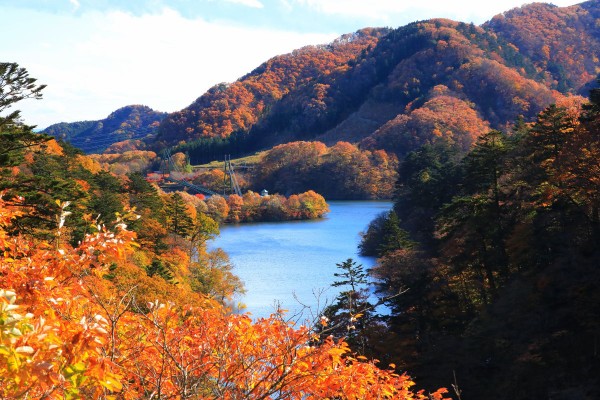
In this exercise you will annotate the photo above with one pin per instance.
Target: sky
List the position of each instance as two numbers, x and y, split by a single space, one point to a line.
96 56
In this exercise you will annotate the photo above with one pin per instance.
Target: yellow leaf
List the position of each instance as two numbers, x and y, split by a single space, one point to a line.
112 384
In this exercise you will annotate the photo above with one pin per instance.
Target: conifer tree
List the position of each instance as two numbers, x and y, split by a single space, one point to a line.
158 268
351 313
15 136
178 220
393 237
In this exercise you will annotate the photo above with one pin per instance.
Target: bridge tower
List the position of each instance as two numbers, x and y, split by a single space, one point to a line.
230 179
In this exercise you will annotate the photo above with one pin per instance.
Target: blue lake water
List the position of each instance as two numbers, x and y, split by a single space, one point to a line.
291 264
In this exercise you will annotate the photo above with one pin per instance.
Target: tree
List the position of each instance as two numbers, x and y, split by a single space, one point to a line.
218 209
548 149
312 205
427 179
212 275
547 137
485 165
158 268
179 221
69 333
349 316
583 167
235 204
371 239
144 196
108 199
472 225
16 85
203 228
393 237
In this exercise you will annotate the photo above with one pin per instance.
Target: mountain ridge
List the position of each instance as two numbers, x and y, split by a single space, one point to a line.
133 122
511 67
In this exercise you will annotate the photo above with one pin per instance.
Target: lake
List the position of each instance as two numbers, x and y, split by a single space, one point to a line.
291 264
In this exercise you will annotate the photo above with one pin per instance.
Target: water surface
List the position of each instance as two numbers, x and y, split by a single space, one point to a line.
292 263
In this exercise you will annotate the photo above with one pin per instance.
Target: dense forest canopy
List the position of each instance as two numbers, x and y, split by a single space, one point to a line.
496 254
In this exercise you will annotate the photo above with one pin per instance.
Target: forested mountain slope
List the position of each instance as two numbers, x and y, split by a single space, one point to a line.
127 123
496 257
390 89
366 85
228 108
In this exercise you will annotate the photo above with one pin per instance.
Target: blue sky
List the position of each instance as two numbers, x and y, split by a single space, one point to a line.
99 55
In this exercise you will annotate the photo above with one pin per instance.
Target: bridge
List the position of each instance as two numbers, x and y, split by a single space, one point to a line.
230 182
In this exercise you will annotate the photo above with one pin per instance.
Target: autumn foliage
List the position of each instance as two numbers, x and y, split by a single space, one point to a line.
227 108
499 251
68 332
376 81
558 40
342 171
442 118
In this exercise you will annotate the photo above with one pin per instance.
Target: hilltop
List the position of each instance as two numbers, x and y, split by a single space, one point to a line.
132 122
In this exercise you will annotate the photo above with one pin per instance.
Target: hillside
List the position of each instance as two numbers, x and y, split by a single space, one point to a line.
229 108
496 256
127 123
364 86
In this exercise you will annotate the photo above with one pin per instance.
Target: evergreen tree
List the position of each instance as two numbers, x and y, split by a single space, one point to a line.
43 181
427 178
372 238
352 312
158 268
143 196
178 220
548 150
472 224
16 85
393 237
553 128
584 165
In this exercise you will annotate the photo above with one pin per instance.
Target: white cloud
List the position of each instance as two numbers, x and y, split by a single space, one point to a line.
390 11
75 4
98 62
248 3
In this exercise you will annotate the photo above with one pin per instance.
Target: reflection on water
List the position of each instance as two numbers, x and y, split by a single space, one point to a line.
292 263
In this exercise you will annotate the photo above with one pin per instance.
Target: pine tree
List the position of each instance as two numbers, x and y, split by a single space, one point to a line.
393 237
352 312
178 220
158 268
16 85
144 196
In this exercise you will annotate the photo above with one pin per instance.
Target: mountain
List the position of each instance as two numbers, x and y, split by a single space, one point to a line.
393 88
128 123
239 106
